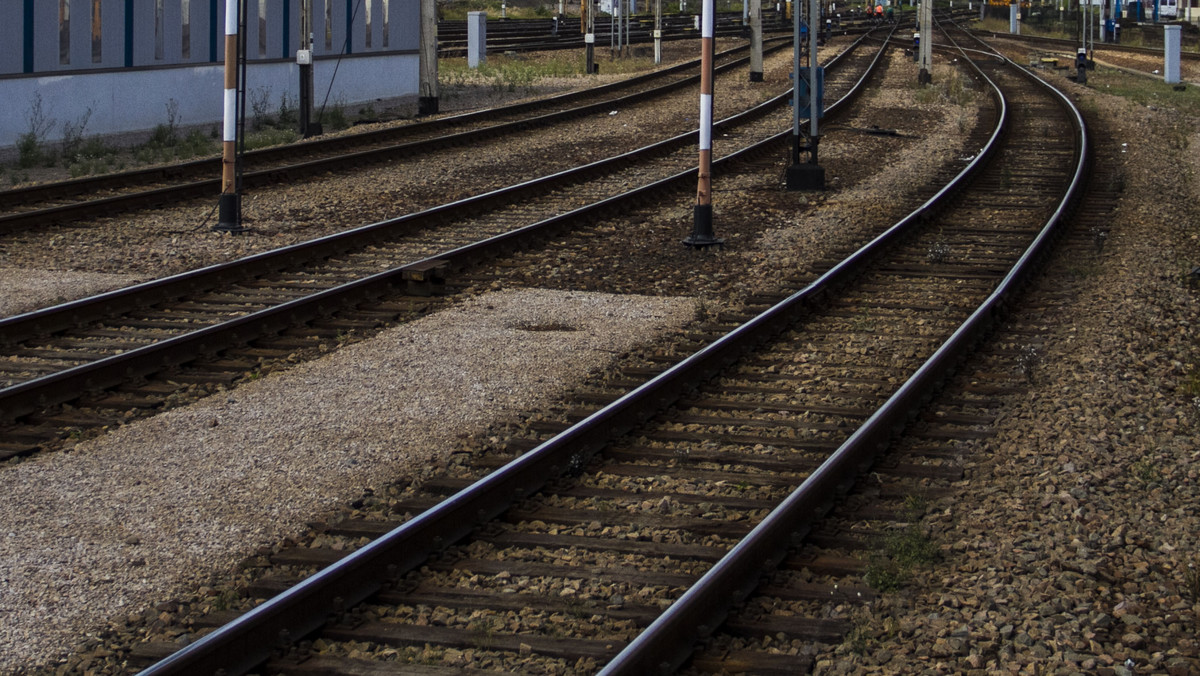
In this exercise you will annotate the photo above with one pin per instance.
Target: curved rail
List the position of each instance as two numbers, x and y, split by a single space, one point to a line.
239 645
668 642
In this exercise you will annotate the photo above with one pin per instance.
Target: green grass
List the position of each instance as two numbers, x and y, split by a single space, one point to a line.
270 137
1144 90
901 551
949 84
165 145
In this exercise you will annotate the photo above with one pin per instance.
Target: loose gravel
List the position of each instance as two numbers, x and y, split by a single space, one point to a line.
148 509
1074 546
108 570
1068 551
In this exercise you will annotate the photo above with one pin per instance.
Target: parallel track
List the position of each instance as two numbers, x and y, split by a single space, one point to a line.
56 203
678 494
115 353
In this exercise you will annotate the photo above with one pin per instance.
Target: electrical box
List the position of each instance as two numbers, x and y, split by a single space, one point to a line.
304 57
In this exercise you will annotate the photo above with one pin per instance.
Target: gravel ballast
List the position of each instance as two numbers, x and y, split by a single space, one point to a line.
1074 546
1067 550
141 513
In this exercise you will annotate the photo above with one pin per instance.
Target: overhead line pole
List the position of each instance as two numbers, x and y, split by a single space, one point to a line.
702 229
229 208
756 46
427 98
657 32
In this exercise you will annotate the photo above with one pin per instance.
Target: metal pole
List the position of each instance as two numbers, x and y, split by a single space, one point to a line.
304 57
756 47
797 52
657 32
230 207
589 33
814 25
427 98
925 49
702 229
628 14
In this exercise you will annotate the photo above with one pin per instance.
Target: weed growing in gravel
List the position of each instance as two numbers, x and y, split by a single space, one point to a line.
949 84
270 137
31 149
83 156
856 640
1191 387
1191 579
901 552
334 117
1028 361
863 323
915 506
1146 471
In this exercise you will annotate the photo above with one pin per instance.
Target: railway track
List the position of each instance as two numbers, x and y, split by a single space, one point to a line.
99 361
1071 45
542 35
87 198
620 536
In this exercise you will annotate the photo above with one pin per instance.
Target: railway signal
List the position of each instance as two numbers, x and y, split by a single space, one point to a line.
229 209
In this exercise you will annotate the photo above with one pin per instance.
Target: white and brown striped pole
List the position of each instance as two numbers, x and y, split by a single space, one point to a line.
229 208
702 229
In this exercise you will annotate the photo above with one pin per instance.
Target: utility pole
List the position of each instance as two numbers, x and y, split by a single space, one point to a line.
657 32
925 49
229 209
702 229
587 23
756 49
427 88
304 58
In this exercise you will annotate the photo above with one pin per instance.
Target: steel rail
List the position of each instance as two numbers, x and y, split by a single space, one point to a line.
66 385
19 327
263 176
667 642
237 647
1071 45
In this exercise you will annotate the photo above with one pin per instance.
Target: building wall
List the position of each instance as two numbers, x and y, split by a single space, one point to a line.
149 57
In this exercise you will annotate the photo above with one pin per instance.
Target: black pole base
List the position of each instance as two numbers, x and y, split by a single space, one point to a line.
924 77
1081 75
229 214
702 235
427 105
756 76
805 176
